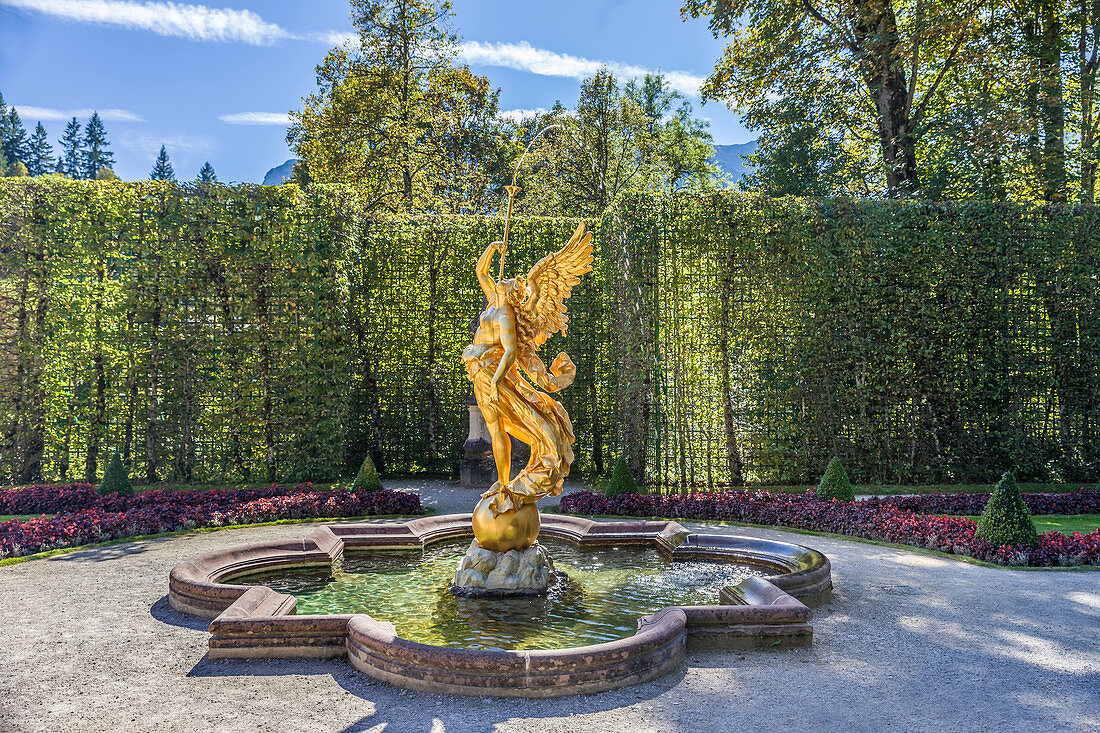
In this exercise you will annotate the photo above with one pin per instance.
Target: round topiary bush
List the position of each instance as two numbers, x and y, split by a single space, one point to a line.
622 480
1006 519
367 478
835 484
115 478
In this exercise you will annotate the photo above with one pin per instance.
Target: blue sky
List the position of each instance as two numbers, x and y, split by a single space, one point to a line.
213 81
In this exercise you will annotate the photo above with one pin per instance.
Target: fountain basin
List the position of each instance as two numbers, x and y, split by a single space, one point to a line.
256 621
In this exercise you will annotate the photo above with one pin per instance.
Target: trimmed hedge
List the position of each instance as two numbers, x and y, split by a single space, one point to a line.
719 337
884 523
1006 520
115 478
367 479
84 516
834 483
622 480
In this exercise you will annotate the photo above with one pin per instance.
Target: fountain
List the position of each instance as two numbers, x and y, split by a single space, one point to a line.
500 618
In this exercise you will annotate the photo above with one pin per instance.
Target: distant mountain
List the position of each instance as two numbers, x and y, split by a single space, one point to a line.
730 158
280 174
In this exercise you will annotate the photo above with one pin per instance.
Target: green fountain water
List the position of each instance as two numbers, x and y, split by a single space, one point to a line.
605 593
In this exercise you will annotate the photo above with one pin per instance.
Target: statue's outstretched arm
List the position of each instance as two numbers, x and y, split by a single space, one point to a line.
484 265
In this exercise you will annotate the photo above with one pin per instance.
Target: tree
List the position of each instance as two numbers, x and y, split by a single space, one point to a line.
14 138
70 161
797 155
39 153
878 72
394 116
602 149
206 173
96 152
162 168
683 146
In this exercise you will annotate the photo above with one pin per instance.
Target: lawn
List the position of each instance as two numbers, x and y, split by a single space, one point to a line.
1064 523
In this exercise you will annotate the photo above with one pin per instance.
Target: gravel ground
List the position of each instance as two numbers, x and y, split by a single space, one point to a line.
909 643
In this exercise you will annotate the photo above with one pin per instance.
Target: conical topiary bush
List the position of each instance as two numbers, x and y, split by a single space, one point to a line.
115 478
834 483
1006 519
367 478
622 480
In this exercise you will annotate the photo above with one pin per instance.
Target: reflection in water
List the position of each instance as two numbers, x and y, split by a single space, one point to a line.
601 599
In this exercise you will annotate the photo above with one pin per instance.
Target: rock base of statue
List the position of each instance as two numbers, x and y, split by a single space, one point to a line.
483 572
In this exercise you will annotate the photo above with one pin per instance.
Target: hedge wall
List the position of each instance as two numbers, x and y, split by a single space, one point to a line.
253 333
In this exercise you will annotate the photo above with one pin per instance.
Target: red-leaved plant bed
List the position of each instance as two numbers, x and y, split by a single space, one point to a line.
1083 501
83 516
880 521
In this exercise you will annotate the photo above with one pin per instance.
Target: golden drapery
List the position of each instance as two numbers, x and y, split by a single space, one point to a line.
530 416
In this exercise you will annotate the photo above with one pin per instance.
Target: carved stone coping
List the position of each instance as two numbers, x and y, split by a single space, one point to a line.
256 621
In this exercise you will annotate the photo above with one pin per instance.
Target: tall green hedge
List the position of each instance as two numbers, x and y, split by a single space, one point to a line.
254 333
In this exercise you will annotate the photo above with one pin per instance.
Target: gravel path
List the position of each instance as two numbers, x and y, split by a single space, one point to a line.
909 643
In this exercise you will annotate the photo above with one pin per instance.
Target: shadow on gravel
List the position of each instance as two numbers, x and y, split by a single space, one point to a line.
111 552
403 711
164 613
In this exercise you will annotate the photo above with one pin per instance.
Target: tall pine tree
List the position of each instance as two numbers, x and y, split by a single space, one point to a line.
206 174
4 162
39 153
70 160
162 169
15 138
96 152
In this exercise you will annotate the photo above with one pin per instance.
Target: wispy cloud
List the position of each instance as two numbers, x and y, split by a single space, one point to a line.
181 145
519 115
256 118
523 56
27 112
194 22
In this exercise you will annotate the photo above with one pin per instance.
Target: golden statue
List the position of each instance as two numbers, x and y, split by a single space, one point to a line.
522 314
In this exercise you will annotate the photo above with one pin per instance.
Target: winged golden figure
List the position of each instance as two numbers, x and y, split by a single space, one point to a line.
522 314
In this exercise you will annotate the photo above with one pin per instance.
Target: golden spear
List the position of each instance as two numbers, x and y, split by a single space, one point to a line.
512 191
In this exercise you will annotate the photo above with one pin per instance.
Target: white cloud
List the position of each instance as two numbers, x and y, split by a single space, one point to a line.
194 22
256 118
519 115
523 56
181 145
28 112
332 38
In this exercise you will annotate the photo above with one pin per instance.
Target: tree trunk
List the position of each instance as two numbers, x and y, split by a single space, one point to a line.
152 394
99 423
733 453
882 62
1052 112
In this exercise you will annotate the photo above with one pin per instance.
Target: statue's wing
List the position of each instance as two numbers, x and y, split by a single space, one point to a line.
551 281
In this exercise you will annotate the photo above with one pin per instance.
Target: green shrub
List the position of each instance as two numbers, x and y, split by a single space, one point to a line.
835 484
367 478
622 480
1006 519
115 478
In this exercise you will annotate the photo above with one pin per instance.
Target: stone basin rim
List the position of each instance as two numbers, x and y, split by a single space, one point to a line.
256 621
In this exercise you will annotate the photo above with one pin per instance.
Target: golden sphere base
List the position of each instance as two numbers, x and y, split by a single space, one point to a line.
516 529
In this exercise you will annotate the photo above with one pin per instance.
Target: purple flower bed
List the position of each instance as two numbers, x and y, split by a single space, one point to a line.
879 521
1083 501
83 516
